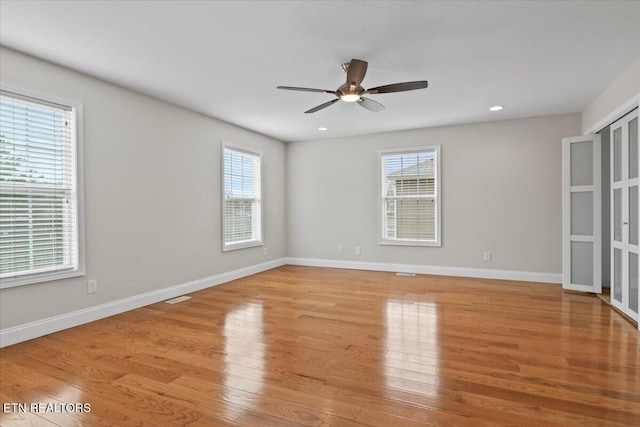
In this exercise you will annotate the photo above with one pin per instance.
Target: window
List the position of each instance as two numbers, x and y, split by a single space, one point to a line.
41 217
410 197
241 204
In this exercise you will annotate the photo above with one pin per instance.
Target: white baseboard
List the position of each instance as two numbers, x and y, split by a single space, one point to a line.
481 273
50 325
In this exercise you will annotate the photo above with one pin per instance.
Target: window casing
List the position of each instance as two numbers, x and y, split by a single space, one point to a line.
41 189
410 197
241 197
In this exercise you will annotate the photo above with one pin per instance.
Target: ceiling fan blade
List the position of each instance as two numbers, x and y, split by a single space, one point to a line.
371 105
321 106
356 71
399 87
306 89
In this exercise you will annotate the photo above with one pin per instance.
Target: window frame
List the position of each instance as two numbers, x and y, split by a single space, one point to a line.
77 140
382 197
259 240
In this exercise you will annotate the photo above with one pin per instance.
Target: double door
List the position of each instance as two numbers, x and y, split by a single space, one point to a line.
584 177
624 214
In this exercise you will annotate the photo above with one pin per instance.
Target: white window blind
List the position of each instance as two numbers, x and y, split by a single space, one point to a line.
39 225
410 193
242 212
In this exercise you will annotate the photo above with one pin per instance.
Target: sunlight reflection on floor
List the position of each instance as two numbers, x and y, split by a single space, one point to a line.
244 351
412 357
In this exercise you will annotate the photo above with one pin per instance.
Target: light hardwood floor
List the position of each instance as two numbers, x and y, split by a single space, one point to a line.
321 347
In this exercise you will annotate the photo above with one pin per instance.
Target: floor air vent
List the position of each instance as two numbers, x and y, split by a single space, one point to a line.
405 274
177 299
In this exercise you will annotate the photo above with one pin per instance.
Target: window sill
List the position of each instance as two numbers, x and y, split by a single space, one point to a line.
30 279
241 245
429 243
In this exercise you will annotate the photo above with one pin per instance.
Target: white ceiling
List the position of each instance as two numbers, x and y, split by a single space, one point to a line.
225 59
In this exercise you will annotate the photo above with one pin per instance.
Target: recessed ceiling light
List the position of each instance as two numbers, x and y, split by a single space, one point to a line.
322 129
496 108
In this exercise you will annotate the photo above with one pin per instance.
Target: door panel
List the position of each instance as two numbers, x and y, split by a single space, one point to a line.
625 215
633 283
633 215
581 203
616 155
617 215
582 213
581 163
616 291
582 263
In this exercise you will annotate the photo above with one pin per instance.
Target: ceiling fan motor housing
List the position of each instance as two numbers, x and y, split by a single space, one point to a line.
350 93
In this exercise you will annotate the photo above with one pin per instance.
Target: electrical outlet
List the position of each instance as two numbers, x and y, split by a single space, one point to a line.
264 252
357 250
92 286
487 256
339 249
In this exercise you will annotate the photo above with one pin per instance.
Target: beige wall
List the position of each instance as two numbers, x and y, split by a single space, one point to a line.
152 194
623 88
501 184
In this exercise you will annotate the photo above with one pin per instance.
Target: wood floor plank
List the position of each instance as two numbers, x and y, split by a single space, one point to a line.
306 346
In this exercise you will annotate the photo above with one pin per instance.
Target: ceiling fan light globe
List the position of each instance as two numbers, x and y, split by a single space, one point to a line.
350 97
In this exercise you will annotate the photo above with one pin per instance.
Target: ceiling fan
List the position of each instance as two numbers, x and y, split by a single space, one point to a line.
352 91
